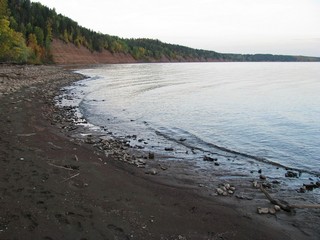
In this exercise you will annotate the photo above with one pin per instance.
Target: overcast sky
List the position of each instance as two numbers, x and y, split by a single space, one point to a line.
229 26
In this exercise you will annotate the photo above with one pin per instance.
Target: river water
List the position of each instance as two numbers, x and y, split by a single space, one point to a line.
268 112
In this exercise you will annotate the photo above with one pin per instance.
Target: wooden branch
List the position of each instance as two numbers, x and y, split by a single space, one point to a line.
285 206
76 158
62 167
71 177
316 206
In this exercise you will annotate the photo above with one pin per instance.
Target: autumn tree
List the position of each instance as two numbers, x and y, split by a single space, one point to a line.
12 44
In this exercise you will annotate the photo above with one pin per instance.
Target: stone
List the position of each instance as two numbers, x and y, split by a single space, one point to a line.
168 149
227 186
277 208
263 210
209 159
291 174
230 192
142 161
232 188
219 191
151 155
263 177
255 184
152 171
272 211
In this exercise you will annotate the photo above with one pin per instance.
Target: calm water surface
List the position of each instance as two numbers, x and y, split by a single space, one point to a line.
266 110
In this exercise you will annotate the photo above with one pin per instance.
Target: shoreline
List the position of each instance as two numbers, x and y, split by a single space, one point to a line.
108 198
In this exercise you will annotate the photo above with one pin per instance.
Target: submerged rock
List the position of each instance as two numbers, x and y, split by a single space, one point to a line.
291 174
168 149
209 159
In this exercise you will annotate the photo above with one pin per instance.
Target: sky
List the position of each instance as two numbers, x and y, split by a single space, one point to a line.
227 26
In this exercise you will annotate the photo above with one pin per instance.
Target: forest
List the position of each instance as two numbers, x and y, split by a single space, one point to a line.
28 28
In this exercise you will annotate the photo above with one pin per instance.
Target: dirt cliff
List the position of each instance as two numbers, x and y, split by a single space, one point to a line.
68 53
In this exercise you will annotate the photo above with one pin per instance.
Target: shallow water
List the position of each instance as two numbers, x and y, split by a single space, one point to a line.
267 111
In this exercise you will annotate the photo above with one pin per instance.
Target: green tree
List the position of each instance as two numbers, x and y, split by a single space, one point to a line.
39 35
3 8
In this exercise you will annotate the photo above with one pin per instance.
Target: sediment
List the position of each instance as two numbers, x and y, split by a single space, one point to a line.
54 186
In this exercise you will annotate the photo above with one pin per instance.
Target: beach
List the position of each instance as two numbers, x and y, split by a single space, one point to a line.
58 184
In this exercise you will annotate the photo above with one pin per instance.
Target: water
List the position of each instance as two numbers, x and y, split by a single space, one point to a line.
266 111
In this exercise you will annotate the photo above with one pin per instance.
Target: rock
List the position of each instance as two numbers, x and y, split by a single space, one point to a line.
224 193
219 191
276 182
227 186
259 171
291 174
266 185
263 210
310 186
277 208
223 188
232 188
263 177
182 139
272 211
209 159
168 149
151 155
302 190
142 161
230 192
255 184
217 164
152 171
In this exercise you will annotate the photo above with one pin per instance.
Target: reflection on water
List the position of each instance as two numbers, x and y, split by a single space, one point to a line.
268 110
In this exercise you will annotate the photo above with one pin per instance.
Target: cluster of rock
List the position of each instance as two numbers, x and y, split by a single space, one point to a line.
15 77
225 190
273 210
211 159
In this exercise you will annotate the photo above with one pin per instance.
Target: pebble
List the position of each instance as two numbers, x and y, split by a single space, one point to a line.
152 171
272 211
151 155
263 177
256 184
219 191
263 210
277 208
291 174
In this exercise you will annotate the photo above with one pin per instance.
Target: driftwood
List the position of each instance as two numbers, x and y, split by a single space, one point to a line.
62 167
76 158
71 177
286 206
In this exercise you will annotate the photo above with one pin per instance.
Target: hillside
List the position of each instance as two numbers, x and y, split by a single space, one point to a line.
31 32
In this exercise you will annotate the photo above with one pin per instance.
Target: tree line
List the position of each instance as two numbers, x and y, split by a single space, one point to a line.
28 28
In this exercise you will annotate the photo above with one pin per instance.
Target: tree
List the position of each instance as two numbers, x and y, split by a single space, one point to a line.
39 35
3 8
12 44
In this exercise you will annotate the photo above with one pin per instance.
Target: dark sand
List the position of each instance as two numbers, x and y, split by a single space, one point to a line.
56 187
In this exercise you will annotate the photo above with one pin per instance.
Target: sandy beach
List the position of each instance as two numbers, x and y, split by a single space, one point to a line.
56 186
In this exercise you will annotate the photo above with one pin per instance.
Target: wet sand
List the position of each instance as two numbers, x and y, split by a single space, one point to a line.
54 186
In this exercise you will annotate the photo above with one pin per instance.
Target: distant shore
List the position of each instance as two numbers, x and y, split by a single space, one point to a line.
58 186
